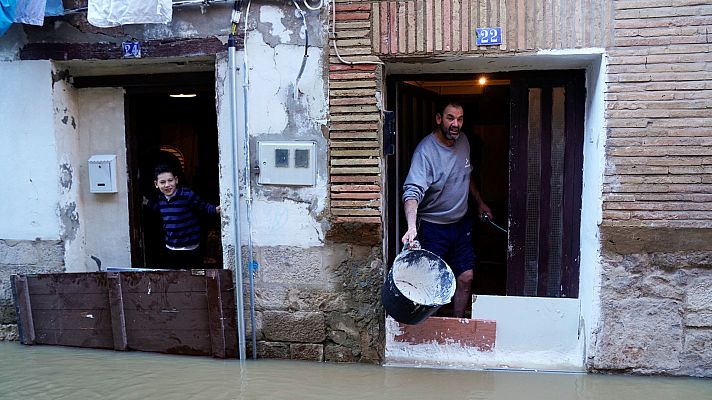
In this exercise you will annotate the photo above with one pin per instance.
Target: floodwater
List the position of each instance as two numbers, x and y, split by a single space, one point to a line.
52 372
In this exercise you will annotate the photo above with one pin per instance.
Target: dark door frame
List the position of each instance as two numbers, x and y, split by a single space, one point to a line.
574 83
137 85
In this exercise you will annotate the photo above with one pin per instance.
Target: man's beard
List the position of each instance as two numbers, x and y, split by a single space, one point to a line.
449 134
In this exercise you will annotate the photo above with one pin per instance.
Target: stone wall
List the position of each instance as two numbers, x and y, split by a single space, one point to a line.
656 314
24 257
319 304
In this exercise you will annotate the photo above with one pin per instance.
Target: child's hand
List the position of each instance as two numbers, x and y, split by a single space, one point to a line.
217 209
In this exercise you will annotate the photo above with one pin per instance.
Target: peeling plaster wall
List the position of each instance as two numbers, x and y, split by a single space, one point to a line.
101 131
71 216
314 299
287 216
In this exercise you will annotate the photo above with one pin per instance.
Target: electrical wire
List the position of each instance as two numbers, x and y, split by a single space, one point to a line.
309 6
306 49
333 41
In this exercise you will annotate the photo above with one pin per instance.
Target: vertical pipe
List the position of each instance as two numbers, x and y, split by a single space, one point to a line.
232 70
248 202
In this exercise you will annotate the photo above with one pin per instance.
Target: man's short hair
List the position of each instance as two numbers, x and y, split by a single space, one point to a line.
445 103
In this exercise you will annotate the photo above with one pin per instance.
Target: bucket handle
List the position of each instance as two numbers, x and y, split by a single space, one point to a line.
412 245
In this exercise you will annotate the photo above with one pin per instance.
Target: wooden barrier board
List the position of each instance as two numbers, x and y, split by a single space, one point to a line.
177 312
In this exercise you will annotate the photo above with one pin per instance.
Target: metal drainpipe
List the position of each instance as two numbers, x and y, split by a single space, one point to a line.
251 265
232 70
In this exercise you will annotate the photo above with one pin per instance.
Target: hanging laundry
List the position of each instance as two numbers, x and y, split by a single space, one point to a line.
54 8
30 12
108 13
7 14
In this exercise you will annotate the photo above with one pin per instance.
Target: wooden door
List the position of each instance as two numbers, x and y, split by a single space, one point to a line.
546 159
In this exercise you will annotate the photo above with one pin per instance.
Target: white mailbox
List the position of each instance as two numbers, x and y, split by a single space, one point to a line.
102 173
287 163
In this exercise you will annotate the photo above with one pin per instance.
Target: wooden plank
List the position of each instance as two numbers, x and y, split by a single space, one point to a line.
86 319
113 51
171 341
68 283
65 301
165 319
23 308
480 334
158 301
164 282
116 306
91 338
215 314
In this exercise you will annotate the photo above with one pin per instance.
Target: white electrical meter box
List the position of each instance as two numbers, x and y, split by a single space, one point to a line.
287 163
102 173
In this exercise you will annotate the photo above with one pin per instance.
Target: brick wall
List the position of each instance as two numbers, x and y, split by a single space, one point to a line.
355 146
659 113
410 27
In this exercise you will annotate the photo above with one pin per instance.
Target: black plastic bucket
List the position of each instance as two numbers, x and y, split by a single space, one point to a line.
416 286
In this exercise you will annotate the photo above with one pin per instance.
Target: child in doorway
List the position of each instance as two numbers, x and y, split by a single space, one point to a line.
180 209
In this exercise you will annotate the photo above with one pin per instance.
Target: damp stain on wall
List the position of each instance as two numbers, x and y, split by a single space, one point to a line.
65 177
69 220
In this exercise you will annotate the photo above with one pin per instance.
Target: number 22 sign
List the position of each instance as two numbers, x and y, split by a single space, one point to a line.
488 36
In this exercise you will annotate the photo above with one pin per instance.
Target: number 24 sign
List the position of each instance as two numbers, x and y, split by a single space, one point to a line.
488 36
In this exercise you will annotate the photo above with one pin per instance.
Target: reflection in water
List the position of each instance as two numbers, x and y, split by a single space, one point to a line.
50 372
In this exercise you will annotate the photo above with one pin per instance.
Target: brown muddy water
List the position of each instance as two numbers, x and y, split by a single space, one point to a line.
51 372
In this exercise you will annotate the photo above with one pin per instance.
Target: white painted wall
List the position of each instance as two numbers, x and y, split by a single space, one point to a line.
28 153
594 163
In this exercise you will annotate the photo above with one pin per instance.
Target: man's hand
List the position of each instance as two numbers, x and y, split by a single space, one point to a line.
411 212
409 236
483 209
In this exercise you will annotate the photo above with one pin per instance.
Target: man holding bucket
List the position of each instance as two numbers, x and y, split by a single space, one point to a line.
435 197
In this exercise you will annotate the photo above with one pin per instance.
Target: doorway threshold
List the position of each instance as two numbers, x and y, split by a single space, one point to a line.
505 333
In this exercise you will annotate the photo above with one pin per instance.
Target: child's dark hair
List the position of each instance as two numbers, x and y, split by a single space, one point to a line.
161 168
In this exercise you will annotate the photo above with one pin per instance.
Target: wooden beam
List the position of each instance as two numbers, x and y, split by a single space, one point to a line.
114 51
216 320
116 305
23 308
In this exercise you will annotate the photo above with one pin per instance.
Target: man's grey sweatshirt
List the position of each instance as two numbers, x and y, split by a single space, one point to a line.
439 179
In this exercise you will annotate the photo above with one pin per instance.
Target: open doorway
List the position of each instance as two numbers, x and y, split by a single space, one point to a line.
525 130
171 119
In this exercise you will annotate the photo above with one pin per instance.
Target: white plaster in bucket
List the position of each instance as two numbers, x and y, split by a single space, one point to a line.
424 280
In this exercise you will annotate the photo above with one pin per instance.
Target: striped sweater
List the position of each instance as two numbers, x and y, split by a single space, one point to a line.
180 215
